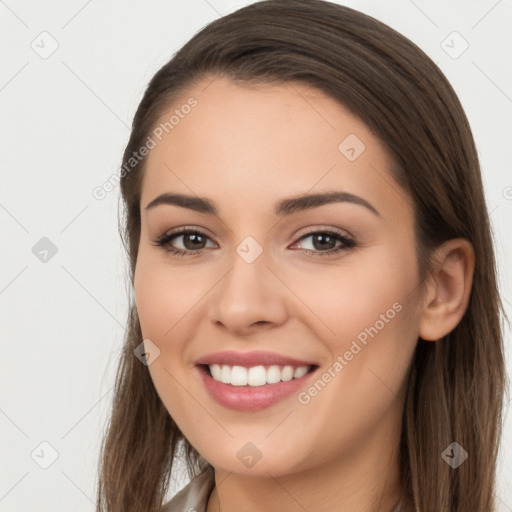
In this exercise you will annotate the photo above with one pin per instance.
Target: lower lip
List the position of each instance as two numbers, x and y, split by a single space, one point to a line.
251 398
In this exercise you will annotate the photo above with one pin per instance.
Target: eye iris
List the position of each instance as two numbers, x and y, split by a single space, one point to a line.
322 238
195 238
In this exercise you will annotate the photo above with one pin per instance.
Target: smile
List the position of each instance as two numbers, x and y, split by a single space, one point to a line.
253 388
255 375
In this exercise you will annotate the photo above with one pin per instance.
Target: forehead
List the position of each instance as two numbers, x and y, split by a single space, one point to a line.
262 142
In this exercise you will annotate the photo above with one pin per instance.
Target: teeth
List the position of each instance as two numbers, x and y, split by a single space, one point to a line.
238 376
255 375
300 372
287 373
273 375
225 374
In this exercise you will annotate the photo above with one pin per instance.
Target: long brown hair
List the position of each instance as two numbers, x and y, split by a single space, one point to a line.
457 384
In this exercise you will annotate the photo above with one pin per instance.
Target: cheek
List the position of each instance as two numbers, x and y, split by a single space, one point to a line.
164 296
373 317
367 314
346 300
152 296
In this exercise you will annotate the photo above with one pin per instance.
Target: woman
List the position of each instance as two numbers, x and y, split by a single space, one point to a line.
315 322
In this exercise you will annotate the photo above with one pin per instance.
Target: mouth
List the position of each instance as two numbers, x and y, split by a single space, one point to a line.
253 388
255 376
251 381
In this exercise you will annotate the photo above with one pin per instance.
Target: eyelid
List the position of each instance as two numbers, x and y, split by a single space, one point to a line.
346 243
322 229
309 231
181 229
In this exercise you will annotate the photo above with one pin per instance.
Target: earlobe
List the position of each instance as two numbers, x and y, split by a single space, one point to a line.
448 289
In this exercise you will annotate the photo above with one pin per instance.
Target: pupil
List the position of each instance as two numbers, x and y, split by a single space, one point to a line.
322 238
194 238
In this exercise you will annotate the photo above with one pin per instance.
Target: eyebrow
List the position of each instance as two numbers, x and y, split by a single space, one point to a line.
282 208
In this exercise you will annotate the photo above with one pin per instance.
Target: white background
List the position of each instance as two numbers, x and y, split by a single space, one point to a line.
64 123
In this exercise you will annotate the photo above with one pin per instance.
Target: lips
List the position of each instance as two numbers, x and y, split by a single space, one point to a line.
291 375
249 359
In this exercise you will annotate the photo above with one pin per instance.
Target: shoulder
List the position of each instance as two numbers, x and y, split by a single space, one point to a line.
194 496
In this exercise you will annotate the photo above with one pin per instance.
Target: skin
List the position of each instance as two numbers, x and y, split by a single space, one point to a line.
245 148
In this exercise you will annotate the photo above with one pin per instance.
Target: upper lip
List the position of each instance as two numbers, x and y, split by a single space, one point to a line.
248 359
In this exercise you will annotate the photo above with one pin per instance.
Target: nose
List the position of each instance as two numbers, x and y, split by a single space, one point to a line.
248 298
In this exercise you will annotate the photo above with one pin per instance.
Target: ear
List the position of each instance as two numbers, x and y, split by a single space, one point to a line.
448 289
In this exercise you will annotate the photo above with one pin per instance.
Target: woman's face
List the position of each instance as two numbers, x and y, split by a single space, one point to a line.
325 286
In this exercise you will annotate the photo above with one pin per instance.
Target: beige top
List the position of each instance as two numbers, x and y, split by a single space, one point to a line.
194 497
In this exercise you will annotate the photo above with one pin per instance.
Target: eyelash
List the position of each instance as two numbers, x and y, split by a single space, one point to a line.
164 240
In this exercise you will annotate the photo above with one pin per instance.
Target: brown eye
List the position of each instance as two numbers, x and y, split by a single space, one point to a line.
327 242
192 242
